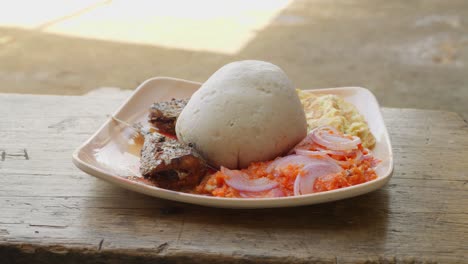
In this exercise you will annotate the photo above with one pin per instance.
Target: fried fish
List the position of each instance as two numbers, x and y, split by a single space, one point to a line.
171 164
163 115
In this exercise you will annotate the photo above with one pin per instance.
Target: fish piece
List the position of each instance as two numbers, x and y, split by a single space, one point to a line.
163 115
171 164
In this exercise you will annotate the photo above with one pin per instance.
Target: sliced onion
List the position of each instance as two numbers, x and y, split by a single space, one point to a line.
372 160
276 192
297 187
340 152
304 183
367 153
358 155
241 181
279 163
350 161
367 157
355 155
306 143
375 163
323 154
346 163
305 152
334 140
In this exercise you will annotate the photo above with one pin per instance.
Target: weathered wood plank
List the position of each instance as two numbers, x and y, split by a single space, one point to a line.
55 211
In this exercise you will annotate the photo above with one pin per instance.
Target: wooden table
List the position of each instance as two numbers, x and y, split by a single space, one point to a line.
52 212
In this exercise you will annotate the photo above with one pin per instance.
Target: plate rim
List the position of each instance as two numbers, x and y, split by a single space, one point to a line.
223 202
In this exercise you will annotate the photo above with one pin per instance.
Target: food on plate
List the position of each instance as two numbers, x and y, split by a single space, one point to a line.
325 160
333 111
247 111
247 133
163 115
171 164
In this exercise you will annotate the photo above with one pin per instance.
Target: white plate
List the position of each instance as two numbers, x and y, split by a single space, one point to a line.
111 155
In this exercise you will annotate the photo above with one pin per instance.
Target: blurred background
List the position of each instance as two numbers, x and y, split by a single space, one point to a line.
411 54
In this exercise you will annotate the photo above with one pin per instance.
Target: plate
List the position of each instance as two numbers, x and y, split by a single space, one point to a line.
112 153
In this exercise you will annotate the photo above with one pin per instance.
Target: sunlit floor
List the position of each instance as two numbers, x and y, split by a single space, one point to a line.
409 53
203 25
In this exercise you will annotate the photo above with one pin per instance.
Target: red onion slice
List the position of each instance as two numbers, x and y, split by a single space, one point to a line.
306 143
276 192
358 155
340 153
349 160
304 152
355 154
297 185
304 183
369 156
345 163
279 163
334 140
241 181
372 160
324 154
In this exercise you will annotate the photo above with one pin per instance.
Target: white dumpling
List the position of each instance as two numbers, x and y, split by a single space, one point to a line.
247 111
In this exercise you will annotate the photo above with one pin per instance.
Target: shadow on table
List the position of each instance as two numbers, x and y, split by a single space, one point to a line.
144 219
356 218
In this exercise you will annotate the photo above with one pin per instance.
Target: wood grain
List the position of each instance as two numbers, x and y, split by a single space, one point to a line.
51 212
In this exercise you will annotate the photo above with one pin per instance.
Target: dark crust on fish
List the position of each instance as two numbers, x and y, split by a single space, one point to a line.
171 164
163 115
